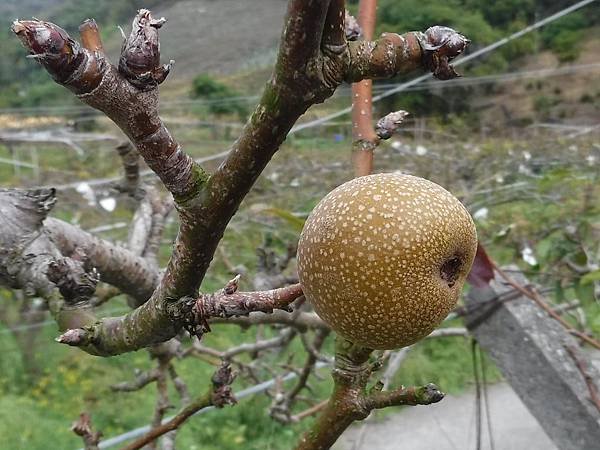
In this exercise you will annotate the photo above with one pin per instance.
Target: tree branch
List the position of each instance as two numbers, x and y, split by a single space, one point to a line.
285 336
27 256
132 274
350 400
141 380
334 31
193 313
219 395
393 54
134 108
282 404
131 179
412 396
83 428
363 135
307 71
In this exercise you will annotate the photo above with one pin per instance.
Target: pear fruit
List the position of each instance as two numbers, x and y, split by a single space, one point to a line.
383 258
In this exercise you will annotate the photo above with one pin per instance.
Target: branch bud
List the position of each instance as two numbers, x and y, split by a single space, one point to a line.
440 46
140 53
50 45
353 30
76 337
389 124
74 277
222 393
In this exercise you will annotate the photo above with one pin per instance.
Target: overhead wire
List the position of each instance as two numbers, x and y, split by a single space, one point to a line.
342 91
508 76
42 324
458 62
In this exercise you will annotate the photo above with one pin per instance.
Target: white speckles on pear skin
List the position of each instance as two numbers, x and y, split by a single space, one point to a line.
370 254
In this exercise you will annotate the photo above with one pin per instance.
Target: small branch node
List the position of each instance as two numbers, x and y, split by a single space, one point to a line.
222 393
74 277
388 125
441 45
75 338
83 427
140 53
90 36
232 285
353 29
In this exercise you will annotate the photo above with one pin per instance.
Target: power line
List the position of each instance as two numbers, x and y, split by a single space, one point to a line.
343 89
164 105
463 60
399 88
508 76
108 180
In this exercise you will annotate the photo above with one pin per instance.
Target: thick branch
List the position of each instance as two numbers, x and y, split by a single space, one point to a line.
334 31
230 303
147 227
302 32
350 401
26 256
393 54
133 107
59 262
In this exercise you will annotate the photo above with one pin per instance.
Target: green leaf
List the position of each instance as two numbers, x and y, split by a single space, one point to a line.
544 248
297 223
585 292
590 277
559 292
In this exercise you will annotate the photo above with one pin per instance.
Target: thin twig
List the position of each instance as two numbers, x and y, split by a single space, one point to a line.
532 294
218 395
310 411
589 381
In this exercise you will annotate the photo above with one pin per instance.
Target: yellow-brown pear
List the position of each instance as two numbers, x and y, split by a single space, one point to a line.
383 258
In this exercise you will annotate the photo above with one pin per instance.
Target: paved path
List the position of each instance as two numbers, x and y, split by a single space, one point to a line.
450 425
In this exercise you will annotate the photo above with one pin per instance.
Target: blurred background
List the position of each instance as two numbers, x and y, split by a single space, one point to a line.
517 139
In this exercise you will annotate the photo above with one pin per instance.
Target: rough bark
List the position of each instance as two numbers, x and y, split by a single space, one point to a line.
132 274
52 259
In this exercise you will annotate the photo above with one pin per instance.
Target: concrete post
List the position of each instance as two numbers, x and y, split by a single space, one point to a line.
535 354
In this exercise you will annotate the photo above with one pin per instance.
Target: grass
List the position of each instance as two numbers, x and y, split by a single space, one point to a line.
36 408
